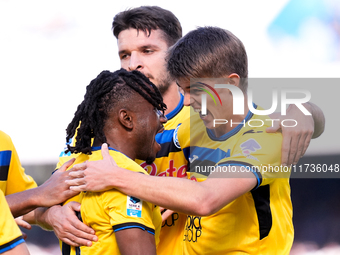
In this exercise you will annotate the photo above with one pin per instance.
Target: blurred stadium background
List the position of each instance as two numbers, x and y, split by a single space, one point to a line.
50 50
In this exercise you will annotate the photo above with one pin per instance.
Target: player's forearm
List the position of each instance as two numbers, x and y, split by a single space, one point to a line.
39 216
23 202
318 117
177 194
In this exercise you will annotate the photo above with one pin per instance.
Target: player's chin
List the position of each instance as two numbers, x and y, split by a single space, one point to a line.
149 160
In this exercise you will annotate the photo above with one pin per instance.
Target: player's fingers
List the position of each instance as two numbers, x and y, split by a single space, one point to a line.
306 143
274 128
285 151
294 149
75 206
166 214
80 166
75 182
299 149
77 234
79 188
294 143
24 224
76 174
105 151
20 222
84 231
66 165
69 241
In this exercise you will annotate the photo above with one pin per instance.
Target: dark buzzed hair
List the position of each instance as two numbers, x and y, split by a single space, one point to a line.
147 18
209 52
102 95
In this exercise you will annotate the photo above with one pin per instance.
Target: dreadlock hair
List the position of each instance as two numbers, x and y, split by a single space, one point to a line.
147 18
102 94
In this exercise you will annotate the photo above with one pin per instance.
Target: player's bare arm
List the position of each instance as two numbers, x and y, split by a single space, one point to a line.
296 140
64 222
205 197
143 242
20 249
51 192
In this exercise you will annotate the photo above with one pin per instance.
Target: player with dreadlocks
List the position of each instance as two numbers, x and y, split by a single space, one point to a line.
103 93
125 110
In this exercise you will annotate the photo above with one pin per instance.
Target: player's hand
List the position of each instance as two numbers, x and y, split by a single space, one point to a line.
67 227
55 190
295 139
93 175
22 223
165 213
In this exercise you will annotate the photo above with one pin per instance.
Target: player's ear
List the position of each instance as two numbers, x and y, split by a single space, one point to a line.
125 118
234 79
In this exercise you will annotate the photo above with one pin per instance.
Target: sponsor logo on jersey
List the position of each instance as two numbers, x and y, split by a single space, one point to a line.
134 207
175 138
250 146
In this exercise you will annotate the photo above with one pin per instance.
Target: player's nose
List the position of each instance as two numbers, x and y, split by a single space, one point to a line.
135 62
188 100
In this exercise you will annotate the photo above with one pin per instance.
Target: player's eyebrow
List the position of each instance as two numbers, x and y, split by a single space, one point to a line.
140 48
180 85
122 52
197 85
148 46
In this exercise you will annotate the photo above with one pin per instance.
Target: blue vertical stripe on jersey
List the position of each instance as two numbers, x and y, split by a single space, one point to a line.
5 160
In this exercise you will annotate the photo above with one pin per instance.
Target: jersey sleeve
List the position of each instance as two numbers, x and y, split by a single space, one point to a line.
17 179
10 234
128 212
259 154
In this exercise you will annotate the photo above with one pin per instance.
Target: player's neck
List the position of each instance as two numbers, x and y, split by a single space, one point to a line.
119 145
235 119
171 98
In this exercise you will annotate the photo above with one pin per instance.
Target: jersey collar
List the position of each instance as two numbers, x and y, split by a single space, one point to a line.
178 108
231 132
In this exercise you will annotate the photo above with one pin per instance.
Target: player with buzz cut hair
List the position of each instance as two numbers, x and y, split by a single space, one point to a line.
116 109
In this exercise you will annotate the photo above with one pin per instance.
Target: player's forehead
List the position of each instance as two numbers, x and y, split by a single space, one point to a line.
132 39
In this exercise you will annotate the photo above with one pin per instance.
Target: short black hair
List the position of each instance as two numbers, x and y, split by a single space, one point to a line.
210 52
102 94
147 18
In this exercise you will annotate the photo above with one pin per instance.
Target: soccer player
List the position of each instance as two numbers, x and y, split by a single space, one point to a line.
144 35
240 209
23 195
21 191
125 110
11 240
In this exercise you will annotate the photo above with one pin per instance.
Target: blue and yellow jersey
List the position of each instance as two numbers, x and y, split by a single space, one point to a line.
111 211
12 175
170 161
258 222
10 234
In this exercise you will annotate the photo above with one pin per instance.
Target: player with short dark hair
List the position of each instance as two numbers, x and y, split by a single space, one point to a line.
146 19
